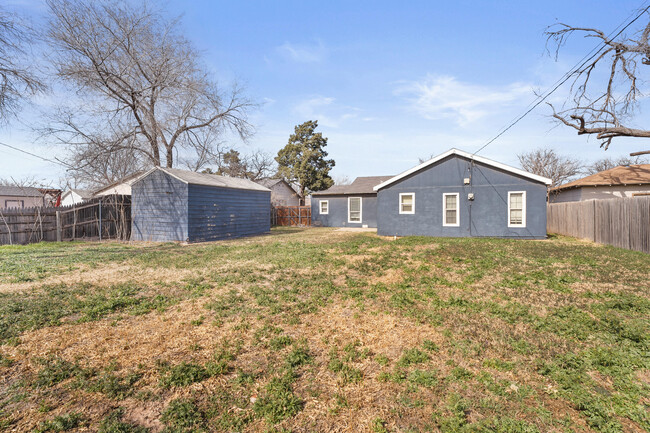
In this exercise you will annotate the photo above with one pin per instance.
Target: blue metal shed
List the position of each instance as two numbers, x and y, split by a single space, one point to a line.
458 194
177 205
353 205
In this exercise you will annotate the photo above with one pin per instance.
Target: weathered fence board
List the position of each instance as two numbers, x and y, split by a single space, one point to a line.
291 216
621 222
102 218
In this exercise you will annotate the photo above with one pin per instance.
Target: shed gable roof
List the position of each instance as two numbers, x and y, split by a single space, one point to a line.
468 155
638 174
360 185
194 178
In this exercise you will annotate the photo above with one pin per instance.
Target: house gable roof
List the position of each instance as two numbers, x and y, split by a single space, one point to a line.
467 155
19 191
194 178
360 185
271 182
638 174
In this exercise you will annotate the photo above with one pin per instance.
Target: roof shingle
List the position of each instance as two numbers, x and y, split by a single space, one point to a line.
638 174
361 185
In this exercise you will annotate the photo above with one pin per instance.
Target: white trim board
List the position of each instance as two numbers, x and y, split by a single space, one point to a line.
523 209
444 209
360 211
412 211
477 158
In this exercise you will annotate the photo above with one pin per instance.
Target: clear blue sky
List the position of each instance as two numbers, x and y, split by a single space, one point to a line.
388 81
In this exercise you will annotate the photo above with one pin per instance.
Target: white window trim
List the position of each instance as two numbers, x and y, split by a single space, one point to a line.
360 211
401 194
444 209
320 207
523 209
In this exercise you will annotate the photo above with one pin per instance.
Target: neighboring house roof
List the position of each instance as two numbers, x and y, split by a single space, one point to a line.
361 185
271 182
83 193
194 178
638 174
468 155
128 180
20 191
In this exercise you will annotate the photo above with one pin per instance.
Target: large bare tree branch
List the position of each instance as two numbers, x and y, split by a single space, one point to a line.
145 91
605 90
17 81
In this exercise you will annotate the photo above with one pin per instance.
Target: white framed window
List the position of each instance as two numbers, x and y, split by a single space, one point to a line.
355 209
324 207
407 203
450 214
516 208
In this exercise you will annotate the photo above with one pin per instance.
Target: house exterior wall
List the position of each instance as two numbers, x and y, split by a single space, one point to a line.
119 189
486 215
159 206
573 194
283 195
9 201
338 211
222 213
598 193
71 198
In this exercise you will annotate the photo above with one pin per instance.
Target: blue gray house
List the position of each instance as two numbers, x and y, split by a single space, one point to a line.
169 204
353 205
458 194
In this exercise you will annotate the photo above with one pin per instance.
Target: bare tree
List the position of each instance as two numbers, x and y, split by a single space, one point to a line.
547 163
604 108
342 180
255 166
260 165
17 81
608 163
142 87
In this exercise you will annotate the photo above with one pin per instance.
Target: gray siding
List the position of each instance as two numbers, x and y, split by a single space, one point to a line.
283 195
486 215
159 209
338 211
222 213
573 194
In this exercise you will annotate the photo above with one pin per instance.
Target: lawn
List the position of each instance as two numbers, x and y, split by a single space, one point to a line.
321 330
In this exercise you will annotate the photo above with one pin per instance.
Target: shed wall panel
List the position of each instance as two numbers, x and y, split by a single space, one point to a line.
159 209
222 213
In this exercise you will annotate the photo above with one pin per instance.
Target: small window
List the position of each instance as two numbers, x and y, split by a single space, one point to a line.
354 209
517 209
324 207
14 203
407 203
450 210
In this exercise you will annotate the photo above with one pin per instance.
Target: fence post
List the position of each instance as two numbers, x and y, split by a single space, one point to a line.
100 219
58 226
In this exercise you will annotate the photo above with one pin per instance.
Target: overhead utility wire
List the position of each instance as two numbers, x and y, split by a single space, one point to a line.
562 80
36 156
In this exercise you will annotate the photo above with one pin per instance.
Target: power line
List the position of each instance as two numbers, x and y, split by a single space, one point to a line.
55 161
536 102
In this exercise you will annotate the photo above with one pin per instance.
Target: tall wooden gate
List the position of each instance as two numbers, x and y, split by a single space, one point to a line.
291 215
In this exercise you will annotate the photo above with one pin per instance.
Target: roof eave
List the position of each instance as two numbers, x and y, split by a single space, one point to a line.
458 152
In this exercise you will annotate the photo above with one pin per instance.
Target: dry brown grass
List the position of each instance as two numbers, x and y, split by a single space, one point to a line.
489 334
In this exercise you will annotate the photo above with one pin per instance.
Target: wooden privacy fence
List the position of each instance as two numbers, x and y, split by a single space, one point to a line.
291 215
621 222
107 217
